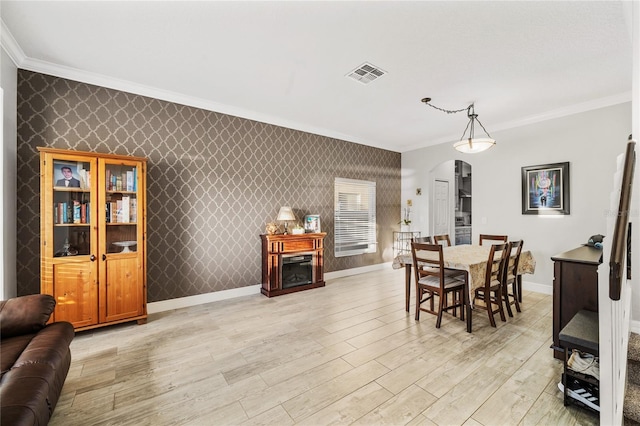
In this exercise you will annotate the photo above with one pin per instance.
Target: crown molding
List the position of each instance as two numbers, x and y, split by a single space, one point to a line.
10 45
17 55
102 80
20 59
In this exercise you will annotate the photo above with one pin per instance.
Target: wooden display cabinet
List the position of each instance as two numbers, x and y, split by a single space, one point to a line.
292 263
93 237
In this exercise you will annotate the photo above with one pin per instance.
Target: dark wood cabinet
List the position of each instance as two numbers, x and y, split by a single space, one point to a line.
292 263
575 287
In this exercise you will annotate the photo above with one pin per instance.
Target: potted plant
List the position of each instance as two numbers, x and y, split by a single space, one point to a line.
405 222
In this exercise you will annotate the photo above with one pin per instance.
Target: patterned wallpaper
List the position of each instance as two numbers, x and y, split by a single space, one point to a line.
213 182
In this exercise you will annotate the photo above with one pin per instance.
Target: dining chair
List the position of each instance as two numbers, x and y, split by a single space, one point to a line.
489 237
510 277
432 281
426 240
491 292
444 239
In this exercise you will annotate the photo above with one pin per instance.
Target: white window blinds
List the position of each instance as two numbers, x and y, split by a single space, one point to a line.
355 217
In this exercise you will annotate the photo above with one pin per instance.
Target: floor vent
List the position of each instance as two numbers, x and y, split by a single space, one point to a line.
366 73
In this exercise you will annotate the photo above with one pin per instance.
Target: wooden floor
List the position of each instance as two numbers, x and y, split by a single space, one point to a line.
347 353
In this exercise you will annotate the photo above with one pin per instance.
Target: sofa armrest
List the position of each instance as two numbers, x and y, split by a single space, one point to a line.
25 314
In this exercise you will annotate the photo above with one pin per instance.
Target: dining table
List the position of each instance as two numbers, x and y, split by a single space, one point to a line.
473 260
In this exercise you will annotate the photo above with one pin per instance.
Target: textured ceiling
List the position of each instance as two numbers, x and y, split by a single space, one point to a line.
285 62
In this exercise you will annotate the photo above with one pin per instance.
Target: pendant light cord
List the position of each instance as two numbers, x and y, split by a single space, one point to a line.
472 115
448 111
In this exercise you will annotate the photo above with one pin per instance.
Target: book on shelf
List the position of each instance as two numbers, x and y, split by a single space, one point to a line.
111 213
108 179
77 216
118 211
130 181
133 213
62 213
83 213
84 176
114 212
125 209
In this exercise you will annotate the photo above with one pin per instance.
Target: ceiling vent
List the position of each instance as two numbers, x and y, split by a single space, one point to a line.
366 73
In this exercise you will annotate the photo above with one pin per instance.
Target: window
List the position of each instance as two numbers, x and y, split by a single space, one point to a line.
355 217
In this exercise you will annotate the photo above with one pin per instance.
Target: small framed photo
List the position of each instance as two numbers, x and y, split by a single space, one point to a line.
312 223
65 174
69 175
545 189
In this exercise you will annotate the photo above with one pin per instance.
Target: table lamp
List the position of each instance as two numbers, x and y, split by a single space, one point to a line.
284 215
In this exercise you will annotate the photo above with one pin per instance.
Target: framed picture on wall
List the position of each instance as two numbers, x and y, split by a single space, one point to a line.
545 189
312 223
68 175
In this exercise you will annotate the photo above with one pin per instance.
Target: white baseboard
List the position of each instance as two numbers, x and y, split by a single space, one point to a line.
537 288
634 326
199 299
356 271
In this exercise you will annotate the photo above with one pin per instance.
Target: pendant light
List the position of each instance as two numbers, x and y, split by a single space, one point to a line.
470 144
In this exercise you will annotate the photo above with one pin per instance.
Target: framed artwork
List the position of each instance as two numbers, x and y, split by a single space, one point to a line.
312 223
66 174
545 189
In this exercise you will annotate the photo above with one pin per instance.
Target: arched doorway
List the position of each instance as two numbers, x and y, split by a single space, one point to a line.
463 202
450 202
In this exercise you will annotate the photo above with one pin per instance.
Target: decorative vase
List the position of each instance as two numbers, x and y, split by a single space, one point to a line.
404 228
271 228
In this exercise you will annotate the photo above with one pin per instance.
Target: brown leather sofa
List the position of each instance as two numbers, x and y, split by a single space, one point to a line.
34 357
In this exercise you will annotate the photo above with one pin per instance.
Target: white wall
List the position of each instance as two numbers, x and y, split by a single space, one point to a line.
9 85
590 141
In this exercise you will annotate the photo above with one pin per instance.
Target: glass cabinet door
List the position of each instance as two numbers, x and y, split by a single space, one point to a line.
72 203
121 240
121 207
69 243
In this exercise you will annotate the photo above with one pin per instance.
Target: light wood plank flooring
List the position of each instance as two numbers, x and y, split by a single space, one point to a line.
347 353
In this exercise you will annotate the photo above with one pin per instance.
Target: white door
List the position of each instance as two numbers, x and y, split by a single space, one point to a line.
441 214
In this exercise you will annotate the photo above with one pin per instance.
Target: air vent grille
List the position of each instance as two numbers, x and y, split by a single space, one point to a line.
366 73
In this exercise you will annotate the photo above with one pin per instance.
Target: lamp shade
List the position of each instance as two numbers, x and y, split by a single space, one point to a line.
474 145
286 213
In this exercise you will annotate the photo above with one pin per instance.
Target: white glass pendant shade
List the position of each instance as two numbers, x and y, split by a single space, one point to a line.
474 145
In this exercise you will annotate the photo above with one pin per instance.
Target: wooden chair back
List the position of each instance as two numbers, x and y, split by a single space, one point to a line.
491 292
514 259
426 240
427 266
489 237
444 239
510 278
498 258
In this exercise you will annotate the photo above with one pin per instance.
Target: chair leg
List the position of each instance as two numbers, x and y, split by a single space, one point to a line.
487 302
418 297
519 282
515 298
498 296
507 302
441 301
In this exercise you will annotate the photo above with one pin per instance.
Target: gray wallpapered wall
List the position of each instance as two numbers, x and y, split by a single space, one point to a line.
213 182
